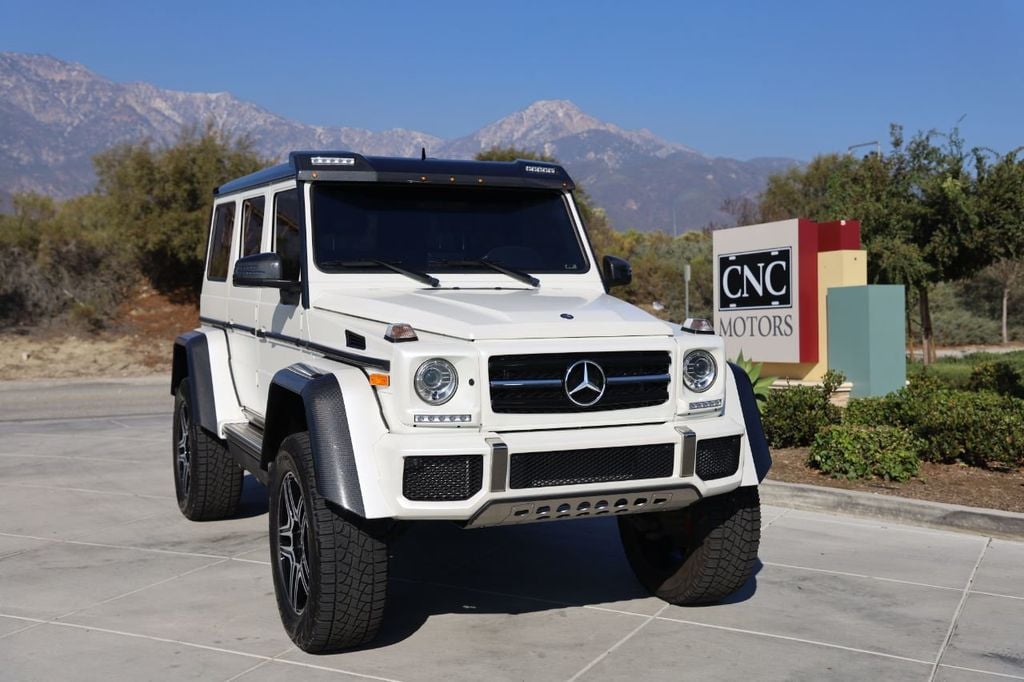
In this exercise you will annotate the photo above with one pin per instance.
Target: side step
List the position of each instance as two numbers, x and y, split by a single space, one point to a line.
245 443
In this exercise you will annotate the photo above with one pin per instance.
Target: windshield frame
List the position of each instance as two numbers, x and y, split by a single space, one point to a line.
579 234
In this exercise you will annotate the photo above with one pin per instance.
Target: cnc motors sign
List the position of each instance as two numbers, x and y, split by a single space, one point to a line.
756 280
766 286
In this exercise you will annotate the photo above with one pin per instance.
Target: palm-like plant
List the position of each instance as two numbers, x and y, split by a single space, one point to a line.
762 385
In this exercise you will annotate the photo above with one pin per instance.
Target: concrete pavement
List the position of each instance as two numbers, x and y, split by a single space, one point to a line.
101 578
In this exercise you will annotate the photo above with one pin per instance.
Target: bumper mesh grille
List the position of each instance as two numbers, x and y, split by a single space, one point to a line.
718 457
444 478
635 381
597 465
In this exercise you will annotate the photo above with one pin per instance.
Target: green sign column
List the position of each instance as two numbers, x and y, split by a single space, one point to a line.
867 337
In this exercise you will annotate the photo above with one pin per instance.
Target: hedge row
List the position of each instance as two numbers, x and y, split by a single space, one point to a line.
981 428
886 436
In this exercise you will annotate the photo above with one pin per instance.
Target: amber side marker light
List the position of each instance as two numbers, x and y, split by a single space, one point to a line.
380 380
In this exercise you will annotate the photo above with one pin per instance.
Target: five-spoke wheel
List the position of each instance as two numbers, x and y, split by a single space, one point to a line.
293 542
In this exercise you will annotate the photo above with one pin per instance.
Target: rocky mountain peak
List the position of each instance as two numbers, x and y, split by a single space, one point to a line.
56 115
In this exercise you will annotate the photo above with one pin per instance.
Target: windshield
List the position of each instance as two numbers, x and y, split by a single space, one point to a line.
443 229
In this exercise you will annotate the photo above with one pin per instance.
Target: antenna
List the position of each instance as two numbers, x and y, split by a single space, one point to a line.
423 153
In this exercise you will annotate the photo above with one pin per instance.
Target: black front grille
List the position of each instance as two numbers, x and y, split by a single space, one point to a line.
446 477
532 384
597 465
718 457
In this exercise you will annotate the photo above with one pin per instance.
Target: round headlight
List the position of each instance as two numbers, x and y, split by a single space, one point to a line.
436 381
699 370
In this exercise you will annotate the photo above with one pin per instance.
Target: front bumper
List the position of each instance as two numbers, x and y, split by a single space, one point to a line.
495 503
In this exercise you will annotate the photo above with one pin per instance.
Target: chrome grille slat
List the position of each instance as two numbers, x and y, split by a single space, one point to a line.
533 384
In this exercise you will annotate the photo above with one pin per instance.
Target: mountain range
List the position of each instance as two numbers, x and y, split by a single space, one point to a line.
55 115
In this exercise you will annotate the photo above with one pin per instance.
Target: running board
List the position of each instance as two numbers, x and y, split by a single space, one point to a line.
245 443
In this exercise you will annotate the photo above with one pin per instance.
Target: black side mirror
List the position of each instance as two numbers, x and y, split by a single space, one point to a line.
262 270
617 272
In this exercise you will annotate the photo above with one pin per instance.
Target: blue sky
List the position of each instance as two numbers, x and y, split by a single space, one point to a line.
739 79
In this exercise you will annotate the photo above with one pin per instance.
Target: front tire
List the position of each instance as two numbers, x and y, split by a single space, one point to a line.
330 568
207 482
699 554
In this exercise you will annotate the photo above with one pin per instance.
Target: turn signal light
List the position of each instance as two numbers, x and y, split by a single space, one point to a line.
382 380
400 331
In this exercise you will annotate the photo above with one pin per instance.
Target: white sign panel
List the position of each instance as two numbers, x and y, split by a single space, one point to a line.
757 286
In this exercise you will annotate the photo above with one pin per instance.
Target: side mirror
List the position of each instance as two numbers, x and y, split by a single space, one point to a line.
261 270
617 272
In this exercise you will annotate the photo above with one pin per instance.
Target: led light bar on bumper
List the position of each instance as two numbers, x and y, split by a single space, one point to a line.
442 418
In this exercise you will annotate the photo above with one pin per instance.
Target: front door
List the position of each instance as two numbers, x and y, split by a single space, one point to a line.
281 320
243 308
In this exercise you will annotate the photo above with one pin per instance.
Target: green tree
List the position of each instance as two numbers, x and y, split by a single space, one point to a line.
1001 207
159 198
921 216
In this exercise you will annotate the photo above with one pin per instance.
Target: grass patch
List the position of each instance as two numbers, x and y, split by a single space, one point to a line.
956 372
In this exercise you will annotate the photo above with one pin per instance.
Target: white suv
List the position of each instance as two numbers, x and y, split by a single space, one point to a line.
388 340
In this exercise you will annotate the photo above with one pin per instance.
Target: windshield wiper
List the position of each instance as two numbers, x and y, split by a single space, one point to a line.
394 267
523 277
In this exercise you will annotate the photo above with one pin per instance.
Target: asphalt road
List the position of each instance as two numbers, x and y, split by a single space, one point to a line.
101 578
74 398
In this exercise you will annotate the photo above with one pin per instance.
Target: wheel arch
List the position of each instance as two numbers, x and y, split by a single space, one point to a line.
752 422
302 398
192 361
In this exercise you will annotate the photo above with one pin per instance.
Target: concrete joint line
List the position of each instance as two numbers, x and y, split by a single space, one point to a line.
195 645
140 589
619 643
795 639
860 575
260 665
959 610
983 672
91 491
102 460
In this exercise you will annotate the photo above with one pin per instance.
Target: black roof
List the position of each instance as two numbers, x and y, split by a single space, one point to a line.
349 167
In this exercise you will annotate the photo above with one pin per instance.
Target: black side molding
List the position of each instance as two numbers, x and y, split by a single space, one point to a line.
192 360
752 419
302 397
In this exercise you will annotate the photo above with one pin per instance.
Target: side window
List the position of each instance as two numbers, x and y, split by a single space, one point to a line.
220 241
287 239
252 225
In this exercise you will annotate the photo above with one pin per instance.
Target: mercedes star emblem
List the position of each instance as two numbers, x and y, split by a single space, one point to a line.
584 382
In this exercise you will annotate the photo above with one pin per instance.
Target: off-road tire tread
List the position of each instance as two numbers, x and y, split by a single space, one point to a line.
216 487
730 528
347 608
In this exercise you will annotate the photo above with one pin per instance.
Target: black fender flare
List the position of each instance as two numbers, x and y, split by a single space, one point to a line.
303 399
192 361
752 421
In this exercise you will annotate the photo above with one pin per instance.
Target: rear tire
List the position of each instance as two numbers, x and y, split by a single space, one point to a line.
330 568
699 554
207 482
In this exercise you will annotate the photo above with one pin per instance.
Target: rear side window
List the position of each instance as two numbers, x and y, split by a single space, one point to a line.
287 238
252 225
220 241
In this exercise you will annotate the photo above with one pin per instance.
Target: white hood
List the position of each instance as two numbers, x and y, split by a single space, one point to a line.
477 314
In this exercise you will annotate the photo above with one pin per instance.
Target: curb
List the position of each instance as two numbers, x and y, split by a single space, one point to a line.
991 522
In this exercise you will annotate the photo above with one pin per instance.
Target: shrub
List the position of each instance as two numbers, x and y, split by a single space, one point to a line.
889 410
999 377
853 451
979 428
793 416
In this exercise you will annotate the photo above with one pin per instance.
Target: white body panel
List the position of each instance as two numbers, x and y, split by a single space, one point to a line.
469 319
